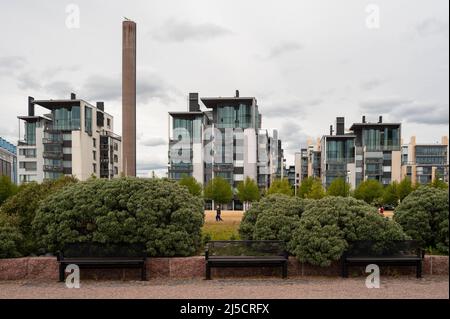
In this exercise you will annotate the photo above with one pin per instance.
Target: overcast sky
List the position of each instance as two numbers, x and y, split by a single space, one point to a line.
306 62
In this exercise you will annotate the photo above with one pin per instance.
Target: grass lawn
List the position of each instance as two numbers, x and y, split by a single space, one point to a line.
225 229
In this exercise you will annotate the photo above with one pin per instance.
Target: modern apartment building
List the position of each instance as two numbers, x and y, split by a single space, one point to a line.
73 138
225 140
8 160
338 155
423 163
368 150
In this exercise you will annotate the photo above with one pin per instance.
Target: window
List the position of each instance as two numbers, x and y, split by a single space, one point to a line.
94 155
30 133
116 170
88 120
116 146
94 142
116 158
66 118
94 167
108 123
28 166
28 152
67 150
67 136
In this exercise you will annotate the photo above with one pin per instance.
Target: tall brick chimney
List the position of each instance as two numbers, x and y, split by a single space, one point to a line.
129 97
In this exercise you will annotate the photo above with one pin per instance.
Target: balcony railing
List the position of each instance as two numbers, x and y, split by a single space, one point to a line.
53 140
53 155
53 168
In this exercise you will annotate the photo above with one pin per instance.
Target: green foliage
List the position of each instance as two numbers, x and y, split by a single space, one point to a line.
305 187
339 187
274 217
218 190
194 187
390 194
439 183
423 215
160 213
317 191
404 188
7 188
280 186
248 191
21 208
10 238
327 225
369 191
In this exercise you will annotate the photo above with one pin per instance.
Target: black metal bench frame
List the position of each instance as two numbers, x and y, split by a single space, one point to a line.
95 262
246 261
350 259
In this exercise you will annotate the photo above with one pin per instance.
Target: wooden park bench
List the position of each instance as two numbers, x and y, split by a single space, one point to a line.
97 255
383 253
246 253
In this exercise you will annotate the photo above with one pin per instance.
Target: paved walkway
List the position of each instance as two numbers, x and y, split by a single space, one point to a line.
305 287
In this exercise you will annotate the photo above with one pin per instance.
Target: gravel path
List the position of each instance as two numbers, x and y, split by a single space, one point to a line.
304 287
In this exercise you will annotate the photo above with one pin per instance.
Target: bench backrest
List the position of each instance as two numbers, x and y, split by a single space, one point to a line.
100 250
383 248
246 248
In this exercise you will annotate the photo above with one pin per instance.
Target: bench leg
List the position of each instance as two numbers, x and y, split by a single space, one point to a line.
208 272
62 270
419 270
144 273
284 270
344 271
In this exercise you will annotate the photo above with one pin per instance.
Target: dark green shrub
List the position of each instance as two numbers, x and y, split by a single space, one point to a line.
10 238
158 212
327 225
21 209
423 215
274 217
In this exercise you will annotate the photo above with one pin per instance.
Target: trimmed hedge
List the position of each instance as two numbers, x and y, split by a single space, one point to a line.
158 212
328 224
423 215
274 217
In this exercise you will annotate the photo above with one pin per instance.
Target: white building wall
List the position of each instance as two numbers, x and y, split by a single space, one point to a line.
250 154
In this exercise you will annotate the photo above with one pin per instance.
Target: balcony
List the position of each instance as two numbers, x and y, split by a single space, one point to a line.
53 140
53 155
53 168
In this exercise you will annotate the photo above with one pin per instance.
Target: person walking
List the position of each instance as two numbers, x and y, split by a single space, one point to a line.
218 213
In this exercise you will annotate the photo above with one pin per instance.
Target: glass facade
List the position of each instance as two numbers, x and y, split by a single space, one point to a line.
378 139
88 120
66 119
30 133
234 116
431 154
341 151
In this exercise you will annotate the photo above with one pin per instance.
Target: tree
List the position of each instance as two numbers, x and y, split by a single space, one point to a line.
218 190
159 213
305 186
194 187
247 192
438 182
369 191
7 188
317 191
280 186
390 194
404 188
329 224
423 215
339 187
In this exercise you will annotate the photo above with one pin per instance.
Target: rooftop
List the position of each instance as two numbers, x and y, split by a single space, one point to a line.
211 102
359 125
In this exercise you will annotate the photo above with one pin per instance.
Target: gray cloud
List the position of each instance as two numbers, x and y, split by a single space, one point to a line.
150 165
12 63
27 82
284 48
432 26
153 141
148 86
179 31
292 136
290 108
407 110
371 84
